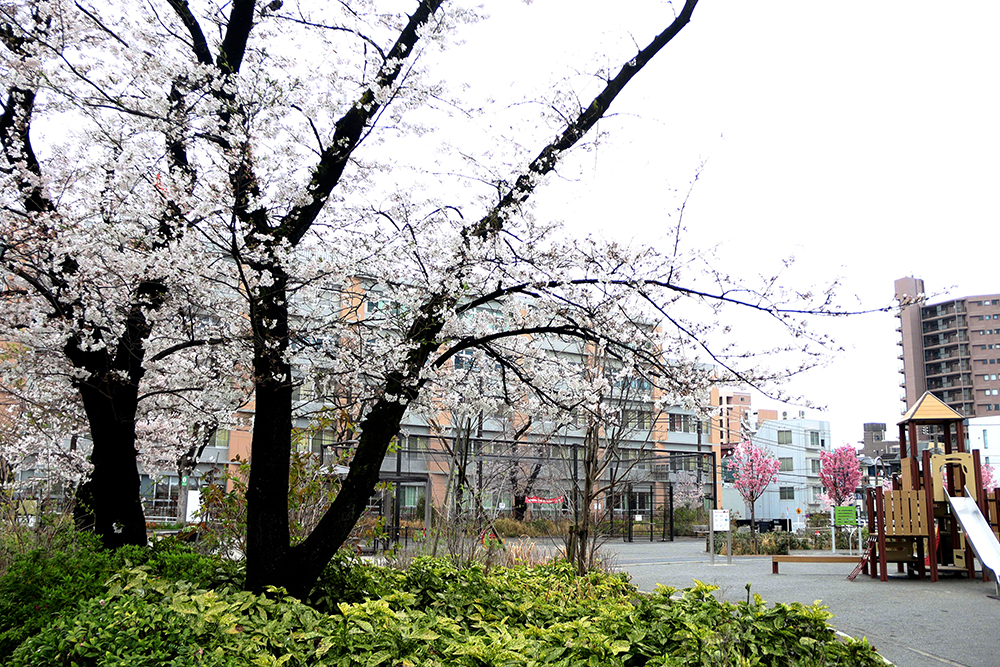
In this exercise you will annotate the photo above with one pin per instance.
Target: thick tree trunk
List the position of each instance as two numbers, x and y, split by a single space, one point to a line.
271 447
520 507
108 503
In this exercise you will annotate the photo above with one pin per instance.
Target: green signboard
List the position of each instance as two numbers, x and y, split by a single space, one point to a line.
845 515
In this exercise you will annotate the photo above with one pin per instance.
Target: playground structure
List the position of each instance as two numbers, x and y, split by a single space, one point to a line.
936 516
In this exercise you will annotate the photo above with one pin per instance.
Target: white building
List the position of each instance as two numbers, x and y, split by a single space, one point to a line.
797 444
984 435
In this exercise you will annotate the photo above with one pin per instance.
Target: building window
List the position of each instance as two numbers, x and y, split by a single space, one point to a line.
409 495
814 438
815 463
786 464
784 437
463 359
986 445
220 439
786 493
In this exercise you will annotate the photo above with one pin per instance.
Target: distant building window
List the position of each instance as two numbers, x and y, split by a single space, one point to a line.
464 359
786 493
784 437
786 464
986 303
220 439
815 463
986 445
814 438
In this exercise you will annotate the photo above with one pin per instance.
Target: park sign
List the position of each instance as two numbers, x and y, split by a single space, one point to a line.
845 515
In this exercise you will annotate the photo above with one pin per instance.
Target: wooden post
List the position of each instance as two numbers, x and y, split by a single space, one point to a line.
977 480
914 473
932 545
870 567
880 512
903 452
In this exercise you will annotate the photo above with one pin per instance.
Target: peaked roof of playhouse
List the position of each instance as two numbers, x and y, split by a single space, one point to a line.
930 408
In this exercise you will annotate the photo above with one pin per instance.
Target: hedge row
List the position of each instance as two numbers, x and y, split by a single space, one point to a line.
431 614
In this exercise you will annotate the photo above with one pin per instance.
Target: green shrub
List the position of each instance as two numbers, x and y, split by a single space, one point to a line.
437 614
348 579
39 586
43 585
520 616
147 622
172 558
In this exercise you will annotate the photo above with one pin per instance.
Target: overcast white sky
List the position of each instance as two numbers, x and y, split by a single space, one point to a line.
860 137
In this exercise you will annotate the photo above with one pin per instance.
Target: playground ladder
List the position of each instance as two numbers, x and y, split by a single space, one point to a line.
865 557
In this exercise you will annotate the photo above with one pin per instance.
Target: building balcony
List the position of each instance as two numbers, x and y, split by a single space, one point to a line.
942 370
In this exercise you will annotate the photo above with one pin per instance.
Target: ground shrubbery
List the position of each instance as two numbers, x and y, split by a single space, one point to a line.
507 527
177 608
769 544
44 585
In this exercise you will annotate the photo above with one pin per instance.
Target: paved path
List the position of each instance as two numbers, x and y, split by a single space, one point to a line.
913 623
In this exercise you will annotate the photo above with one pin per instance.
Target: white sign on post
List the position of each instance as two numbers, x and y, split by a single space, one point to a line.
720 520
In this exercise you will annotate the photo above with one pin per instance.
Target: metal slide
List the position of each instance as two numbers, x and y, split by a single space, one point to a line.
978 532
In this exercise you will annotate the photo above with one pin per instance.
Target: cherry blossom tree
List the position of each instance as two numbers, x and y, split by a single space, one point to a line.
989 478
689 492
840 474
257 198
754 469
106 318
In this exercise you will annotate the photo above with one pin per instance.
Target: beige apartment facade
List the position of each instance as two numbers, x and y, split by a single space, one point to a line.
950 348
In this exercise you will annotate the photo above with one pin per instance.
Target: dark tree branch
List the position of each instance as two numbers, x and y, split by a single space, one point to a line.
15 136
234 45
198 42
352 125
546 161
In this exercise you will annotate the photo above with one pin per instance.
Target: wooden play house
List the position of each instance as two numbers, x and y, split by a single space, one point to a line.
912 524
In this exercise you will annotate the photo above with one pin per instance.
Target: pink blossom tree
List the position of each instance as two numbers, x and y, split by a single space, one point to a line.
754 468
989 478
840 474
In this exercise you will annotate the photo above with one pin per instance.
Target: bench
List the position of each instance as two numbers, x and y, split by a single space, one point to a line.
809 558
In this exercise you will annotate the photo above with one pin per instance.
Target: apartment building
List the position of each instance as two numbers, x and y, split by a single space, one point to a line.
730 417
457 459
950 348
